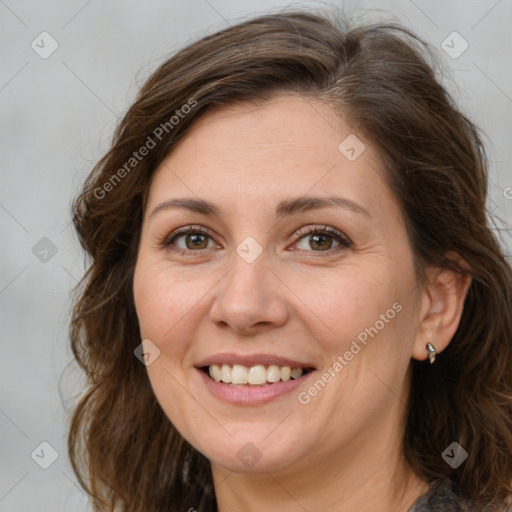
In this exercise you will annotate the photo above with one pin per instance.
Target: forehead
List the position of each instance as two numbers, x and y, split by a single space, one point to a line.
288 146
285 124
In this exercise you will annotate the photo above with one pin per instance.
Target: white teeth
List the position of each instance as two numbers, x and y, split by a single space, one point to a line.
273 373
215 372
286 373
226 373
239 374
257 375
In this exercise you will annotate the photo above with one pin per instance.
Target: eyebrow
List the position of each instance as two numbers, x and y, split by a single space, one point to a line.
284 208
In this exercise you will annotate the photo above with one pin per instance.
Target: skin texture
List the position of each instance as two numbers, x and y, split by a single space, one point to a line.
341 451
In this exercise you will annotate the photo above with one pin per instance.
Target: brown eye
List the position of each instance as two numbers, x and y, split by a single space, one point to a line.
196 241
320 242
189 238
321 239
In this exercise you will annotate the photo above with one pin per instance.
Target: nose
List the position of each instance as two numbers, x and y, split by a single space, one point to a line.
250 298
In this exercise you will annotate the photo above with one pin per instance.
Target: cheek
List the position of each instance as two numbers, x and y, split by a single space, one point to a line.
367 331
165 308
163 304
349 302
368 337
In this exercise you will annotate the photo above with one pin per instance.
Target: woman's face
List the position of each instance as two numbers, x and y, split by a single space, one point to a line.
301 263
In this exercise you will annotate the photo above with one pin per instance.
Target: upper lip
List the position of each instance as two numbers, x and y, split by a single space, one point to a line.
251 360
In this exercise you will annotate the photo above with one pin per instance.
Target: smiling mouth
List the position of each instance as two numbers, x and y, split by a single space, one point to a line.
257 375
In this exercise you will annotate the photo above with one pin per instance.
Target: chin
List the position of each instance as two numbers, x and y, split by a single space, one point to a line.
245 453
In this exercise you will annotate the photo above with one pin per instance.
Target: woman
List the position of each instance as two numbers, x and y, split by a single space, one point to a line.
295 301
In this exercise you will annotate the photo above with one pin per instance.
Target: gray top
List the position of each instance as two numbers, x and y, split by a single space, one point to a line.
441 497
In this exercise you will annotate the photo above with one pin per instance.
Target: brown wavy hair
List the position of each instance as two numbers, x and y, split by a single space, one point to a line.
380 78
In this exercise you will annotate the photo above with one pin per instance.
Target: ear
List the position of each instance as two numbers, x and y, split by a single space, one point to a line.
442 303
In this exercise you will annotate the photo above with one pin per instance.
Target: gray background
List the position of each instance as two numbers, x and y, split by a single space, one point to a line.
57 116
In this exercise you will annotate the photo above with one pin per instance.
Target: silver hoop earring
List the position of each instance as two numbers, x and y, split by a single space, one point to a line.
431 352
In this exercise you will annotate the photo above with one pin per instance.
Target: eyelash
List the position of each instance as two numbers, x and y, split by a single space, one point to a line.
344 242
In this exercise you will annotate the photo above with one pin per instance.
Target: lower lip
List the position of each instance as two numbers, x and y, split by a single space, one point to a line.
251 395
